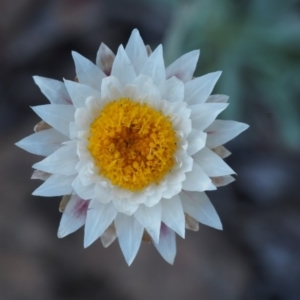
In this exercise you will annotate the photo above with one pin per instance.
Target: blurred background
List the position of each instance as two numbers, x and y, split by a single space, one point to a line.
257 45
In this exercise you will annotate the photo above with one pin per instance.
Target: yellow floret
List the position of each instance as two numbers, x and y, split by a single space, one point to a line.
132 144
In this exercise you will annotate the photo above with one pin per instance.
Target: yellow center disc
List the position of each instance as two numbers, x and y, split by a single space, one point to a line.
132 144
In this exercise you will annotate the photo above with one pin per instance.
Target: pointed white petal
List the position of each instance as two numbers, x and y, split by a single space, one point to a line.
196 180
146 87
217 99
155 67
103 194
198 89
87 72
150 219
130 233
43 142
167 244
220 132
172 215
85 192
205 113
63 161
211 163
56 115
122 67
184 67
199 207
172 190
111 88
99 217
55 185
80 92
105 58
73 216
108 236
196 141
53 89
223 180
172 90
124 206
136 51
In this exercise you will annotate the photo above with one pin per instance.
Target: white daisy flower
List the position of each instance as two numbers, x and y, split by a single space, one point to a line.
132 146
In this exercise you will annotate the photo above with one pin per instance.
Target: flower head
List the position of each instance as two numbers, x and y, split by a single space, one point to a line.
132 147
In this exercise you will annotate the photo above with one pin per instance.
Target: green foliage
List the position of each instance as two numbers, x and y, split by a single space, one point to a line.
257 45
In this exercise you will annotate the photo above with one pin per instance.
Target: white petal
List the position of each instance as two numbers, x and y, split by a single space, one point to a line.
205 113
73 216
211 163
85 192
223 180
184 67
103 194
196 141
53 89
155 67
136 51
199 207
150 219
55 185
217 99
108 236
80 92
63 161
172 215
43 142
146 87
130 233
167 244
172 90
122 67
99 217
196 180
105 58
220 132
87 72
172 190
111 88
56 115
124 206
198 89
83 119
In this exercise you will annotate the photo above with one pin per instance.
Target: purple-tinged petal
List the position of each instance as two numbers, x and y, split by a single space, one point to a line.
167 244
105 59
73 217
109 235
99 217
87 72
222 180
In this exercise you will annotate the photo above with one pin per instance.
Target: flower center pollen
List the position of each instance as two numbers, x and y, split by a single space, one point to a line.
133 145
